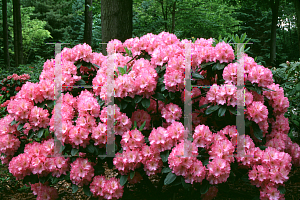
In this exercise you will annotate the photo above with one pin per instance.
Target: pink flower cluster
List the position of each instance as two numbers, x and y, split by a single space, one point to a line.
277 100
218 171
151 160
99 134
44 191
163 139
257 112
272 172
224 52
36 160
128 160
194 93
39 118
140 116
123 122
82 172
202 136
20 109
224 94
9 143
141 80
107 189
153 107
249 71
16 77
171 112
183 162
132 139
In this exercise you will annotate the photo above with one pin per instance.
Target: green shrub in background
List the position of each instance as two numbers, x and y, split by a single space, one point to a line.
288 76
9 86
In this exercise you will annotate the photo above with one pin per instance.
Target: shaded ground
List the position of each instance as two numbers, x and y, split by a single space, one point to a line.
11 190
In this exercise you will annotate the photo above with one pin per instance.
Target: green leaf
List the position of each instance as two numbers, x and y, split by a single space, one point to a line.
206 64
295 122
283 65
90 148
135 125
211 109
123 179
172 95
40 133
164 155
257 131
158 96
281 189
196 75
74 152
62 148
233 110
97 66
13 122
205 162
128 52
86 190
43 179
80 82
78 65
204 187
204 106
116 74
142 126
248 123
166 170
262 147
222 111
170 178
20 127
124 105
137 98
46 133
185 185
146 103
132 173
121 70
298 87
23 188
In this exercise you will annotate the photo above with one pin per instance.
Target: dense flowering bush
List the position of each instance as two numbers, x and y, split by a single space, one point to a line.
149 133
10 86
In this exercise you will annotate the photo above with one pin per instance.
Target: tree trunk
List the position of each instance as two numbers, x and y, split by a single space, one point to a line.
17 33
173 17
5 34
88 23
297 8
273 31
116 20
165 14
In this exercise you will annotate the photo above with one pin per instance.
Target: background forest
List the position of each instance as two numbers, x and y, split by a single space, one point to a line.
64 21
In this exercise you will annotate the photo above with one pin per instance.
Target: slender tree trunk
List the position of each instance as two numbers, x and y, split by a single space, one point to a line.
274 7
16 48
165 14
18 43
116 20
88 27
5 34
297 8
173 17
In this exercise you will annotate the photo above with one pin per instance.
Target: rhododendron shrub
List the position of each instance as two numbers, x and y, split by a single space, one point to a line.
150 137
